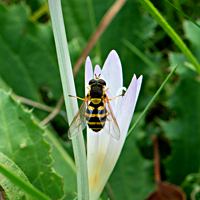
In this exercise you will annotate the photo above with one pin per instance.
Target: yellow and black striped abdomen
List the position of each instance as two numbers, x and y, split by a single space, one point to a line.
96 116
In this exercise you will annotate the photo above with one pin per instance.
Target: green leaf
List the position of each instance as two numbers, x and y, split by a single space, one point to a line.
193 34
12 191
179 58
152 100
63 165
69 88
28 61
182 13
62 162
22 141
78 20
183 131
170 31
27 187
191 185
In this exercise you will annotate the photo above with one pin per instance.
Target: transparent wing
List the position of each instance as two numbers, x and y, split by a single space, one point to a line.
114 130
79 121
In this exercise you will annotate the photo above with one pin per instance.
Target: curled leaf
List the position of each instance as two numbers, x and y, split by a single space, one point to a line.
167 191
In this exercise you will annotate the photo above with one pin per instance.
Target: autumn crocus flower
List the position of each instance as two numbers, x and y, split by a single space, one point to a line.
102 149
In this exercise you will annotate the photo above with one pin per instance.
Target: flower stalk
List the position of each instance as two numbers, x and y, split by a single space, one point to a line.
69 88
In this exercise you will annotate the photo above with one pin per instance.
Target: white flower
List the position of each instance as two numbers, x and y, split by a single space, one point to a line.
102 149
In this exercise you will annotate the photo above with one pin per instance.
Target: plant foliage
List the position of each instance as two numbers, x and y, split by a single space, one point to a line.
43 157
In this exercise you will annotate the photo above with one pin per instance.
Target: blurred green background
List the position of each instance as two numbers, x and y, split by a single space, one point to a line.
28 67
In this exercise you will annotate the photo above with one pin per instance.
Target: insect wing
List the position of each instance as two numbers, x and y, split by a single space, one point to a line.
114 130
79 122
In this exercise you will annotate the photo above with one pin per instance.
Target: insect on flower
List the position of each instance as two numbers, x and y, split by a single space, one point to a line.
95 111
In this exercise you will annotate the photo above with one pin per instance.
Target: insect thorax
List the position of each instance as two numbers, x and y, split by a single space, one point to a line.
96 91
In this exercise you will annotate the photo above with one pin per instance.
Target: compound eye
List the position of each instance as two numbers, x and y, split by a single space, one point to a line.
101 81
92 81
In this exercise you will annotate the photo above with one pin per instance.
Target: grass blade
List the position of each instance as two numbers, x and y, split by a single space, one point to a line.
152 100
182 13
170 31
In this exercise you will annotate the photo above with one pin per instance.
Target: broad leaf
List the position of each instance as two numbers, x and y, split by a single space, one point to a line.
62 162
63 165
12 191
193 34
28 64
28 61
22 141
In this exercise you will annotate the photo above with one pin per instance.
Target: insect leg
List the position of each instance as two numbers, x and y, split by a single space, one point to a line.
77 97
121 95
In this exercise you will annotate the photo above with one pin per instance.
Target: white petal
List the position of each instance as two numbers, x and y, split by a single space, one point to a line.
109 149
139 83
128 103
97 147
88 73
112 72
97 70
104 150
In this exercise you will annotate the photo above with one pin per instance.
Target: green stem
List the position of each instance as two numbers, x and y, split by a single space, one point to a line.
39 13
29 189
69 88
152 100
169 30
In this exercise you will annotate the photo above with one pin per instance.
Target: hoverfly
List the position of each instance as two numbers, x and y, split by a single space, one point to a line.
95 111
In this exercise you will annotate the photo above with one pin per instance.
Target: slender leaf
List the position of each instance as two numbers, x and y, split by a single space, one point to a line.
152 100
69 88
170 31
182 13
